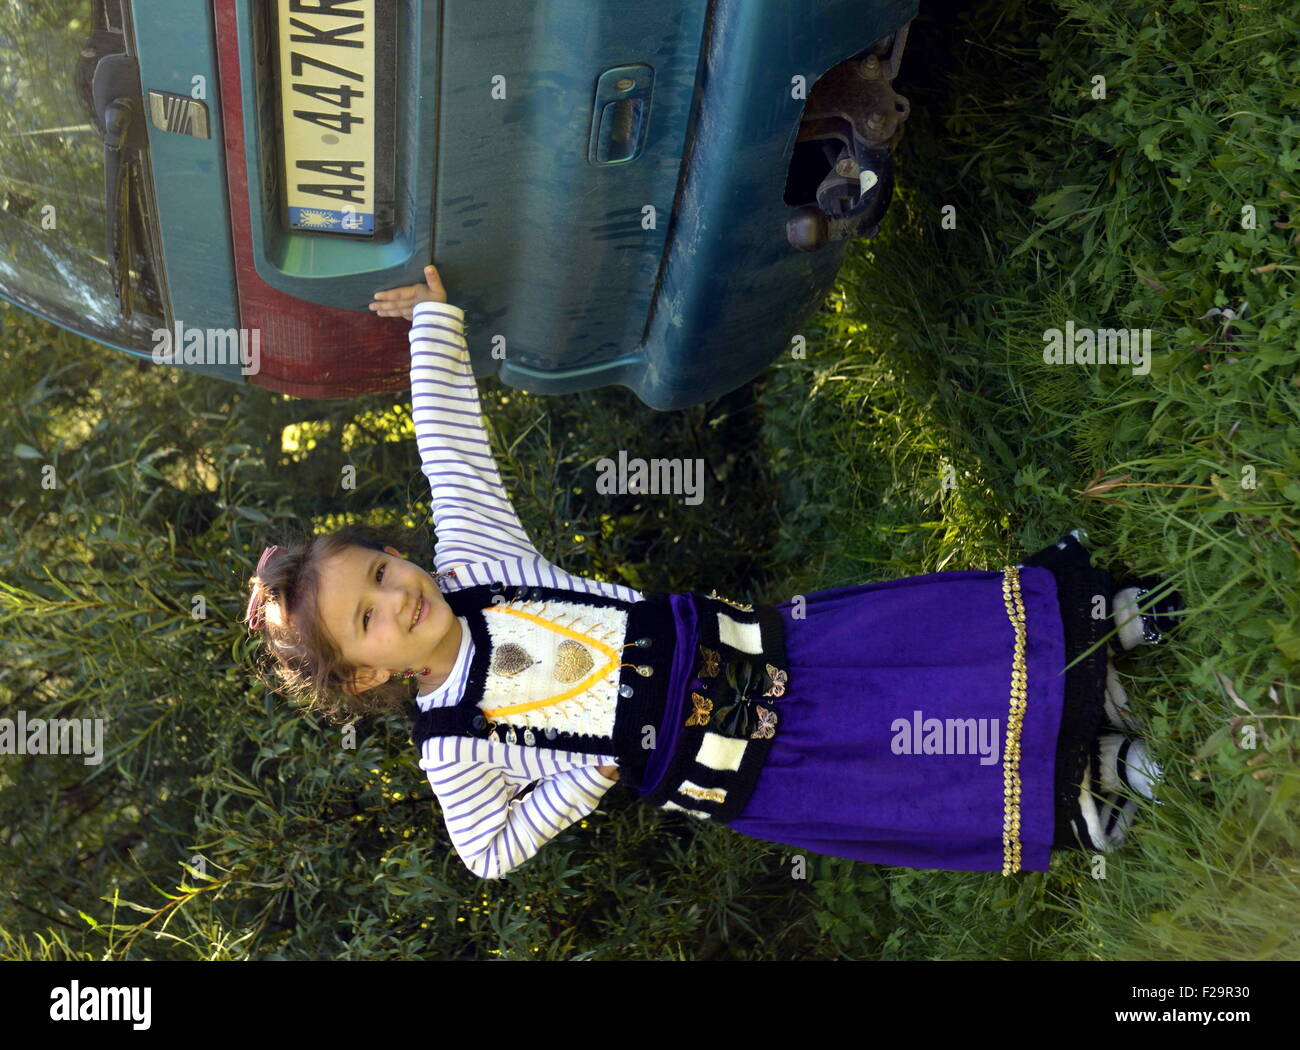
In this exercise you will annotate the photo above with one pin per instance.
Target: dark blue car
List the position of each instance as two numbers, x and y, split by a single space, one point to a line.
647 194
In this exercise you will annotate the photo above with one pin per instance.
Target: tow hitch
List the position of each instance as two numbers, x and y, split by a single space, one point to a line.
852 118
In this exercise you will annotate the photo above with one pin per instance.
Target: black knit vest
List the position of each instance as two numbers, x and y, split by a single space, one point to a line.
729 682
641 700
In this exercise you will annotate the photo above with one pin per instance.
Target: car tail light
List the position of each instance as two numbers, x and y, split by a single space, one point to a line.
307 350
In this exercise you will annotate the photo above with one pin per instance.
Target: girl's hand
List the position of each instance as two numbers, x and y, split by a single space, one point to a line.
400 302
611 772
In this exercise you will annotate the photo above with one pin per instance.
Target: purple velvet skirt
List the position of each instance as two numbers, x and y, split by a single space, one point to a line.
893 726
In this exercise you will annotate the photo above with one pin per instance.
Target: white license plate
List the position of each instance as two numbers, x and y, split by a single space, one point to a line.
328 86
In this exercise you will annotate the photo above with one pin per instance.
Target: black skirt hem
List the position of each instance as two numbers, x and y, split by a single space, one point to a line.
1078 583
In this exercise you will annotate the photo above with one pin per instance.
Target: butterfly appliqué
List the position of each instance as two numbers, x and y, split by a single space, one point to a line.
701 712
766 724
740 714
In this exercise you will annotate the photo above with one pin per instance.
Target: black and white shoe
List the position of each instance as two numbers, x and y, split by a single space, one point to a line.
1103 818
1118 765
1125 765
1139 620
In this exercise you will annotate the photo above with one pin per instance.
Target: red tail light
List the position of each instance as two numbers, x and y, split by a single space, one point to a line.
306 350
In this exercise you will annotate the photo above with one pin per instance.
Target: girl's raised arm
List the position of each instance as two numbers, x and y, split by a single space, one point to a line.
474 518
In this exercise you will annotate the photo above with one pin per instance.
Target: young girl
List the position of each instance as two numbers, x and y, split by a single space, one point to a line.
930 721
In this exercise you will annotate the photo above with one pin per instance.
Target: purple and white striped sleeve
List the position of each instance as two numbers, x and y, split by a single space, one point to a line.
492 832
473 517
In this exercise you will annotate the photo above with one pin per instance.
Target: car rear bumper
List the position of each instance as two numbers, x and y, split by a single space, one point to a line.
731 291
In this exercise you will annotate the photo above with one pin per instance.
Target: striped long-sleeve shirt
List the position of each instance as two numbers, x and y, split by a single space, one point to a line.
480 536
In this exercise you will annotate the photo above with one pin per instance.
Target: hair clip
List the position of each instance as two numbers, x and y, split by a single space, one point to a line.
255 614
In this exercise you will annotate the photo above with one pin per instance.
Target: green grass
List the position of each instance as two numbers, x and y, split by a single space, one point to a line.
925 367
1122 212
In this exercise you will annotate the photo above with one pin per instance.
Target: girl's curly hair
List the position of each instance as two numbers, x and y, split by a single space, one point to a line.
298 658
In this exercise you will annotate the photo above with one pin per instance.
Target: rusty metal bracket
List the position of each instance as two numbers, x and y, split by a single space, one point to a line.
855 105
860 92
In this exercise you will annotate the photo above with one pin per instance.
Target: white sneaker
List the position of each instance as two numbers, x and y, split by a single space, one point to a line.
1129 628
1106 818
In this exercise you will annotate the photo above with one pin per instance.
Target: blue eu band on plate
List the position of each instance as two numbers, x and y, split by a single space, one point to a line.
329 92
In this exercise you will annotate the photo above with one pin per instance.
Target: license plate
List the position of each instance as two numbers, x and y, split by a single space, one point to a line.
335 114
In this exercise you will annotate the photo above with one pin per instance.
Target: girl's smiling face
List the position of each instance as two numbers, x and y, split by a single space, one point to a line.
384 614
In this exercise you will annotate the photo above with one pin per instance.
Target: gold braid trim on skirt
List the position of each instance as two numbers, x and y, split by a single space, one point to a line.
1015 720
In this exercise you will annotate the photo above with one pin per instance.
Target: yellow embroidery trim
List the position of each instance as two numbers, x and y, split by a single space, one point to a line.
583 686
1015 606
742 606
707 794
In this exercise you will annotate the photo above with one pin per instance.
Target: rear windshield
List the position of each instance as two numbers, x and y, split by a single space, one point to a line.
53 218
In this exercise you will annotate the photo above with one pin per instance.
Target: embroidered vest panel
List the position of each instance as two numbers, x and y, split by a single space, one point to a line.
587 673
560 669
